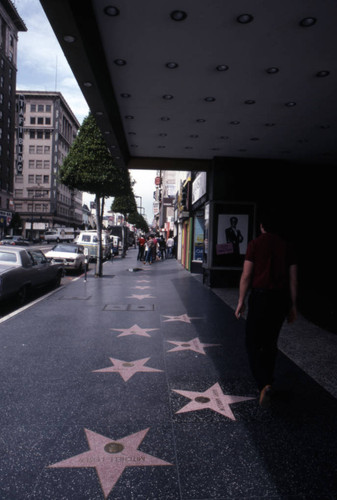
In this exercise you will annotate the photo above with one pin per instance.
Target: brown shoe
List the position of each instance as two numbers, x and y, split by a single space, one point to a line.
265 397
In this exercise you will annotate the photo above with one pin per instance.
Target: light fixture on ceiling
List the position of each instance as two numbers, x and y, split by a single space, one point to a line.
200 120
129 117
162 135
306 22
107 132
194 136
250 101
322 74
290 104
99 113
125 95
272 70
172 65
234 122
120 62
69 38
132 133
87 84
270 124
222 67
244 18
111 10
254 138
167 97
178 15
209 99
161 147
165 118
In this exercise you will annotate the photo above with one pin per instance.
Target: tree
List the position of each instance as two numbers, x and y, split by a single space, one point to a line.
90 167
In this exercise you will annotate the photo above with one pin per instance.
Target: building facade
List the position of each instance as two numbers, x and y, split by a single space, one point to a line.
10 25
46 129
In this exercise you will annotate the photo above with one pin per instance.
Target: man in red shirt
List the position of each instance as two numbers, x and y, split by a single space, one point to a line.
141 248
270 271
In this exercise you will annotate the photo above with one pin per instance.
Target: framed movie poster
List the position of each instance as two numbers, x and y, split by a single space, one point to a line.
234 225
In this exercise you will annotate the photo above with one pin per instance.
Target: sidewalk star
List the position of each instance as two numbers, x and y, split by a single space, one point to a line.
213 398
127 368
183 317
140 297
191 345
110 458
134 330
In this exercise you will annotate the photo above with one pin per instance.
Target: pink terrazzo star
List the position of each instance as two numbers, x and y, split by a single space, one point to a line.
143 281
127 368
110 458
134 330
140 297
141 287
191 345
183 317
213 398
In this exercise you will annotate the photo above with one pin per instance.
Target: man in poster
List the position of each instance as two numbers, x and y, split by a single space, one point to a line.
234 236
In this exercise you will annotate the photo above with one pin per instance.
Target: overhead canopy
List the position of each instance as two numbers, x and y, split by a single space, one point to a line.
175 85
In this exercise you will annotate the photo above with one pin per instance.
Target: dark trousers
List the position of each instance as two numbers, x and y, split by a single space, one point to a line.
266 313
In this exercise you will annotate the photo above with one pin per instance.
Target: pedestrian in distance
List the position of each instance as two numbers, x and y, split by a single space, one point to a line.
149 251
170 245
270 275
141 248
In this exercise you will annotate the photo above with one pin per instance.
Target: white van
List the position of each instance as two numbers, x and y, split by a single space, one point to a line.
89 240
60 234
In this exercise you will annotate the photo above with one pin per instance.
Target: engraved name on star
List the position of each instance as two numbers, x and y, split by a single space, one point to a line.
127 369
110 457
191 345
140 297
213 398
134 330
143 281
141 287
183 317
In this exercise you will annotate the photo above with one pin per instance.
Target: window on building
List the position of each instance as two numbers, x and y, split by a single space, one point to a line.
18 193
32 134
31 164
32 120
46 179
33 108
30 207
39 134
40 108
39 150
46 164
38 179
32 150
46 149
30 179
19 179
47 120
40 120
47 134
38 163
38 207
48 108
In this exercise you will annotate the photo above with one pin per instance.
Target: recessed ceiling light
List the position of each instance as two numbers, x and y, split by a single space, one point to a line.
307 22
222 67
107 132
321 74
224 137
69 38
178 15
194 136
162 135
111 10
164 118
245 18
120 62
131 133
99 113
254 139
250 101
270 124
272 70
234 122
209 99
200 120
168 97
87 84
161 147
129 117
290 104
172 65
125 96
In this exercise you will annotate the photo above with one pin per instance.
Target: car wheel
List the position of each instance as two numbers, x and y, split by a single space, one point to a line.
57 281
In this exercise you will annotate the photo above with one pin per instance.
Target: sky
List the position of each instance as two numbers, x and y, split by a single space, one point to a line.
43 66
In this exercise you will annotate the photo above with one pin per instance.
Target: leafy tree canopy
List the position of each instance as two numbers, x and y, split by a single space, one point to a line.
89 165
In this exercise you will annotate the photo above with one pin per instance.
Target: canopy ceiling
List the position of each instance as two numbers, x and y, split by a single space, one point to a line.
178 84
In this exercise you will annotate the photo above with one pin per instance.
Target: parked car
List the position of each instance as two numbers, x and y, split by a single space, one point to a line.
24 269
14 240
89 239
70 255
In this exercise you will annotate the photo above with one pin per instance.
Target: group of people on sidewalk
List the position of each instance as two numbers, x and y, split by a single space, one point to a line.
153 248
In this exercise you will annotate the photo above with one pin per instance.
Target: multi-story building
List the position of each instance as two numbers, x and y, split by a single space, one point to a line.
10 25
46 128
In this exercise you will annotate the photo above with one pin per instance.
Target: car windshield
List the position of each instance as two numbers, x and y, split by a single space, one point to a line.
7 257
65 248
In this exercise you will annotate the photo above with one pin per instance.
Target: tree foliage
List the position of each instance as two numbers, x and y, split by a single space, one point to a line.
89 165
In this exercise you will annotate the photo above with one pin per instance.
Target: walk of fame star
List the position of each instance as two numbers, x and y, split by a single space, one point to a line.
183 317
213 398
110 457
134 330
140 297
141 287
127 368
143 281
191 345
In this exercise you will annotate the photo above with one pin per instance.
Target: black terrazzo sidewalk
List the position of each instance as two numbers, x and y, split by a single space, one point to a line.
135 386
